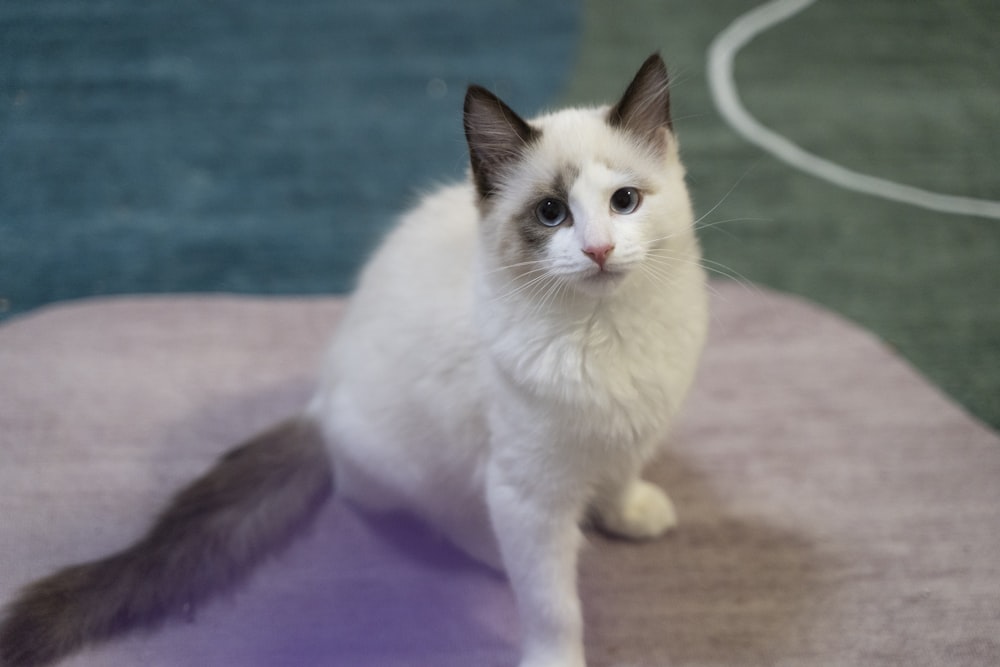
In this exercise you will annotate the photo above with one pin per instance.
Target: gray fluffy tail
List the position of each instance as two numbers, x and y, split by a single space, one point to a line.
251 503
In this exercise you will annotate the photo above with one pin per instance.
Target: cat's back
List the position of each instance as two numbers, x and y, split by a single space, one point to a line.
410 319
430 249
422 270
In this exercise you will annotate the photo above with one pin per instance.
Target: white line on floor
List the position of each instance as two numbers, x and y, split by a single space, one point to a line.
723 86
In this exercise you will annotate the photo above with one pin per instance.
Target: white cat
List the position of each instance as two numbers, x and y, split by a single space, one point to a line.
514 353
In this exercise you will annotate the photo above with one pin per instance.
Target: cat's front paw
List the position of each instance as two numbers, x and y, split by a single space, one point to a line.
642 512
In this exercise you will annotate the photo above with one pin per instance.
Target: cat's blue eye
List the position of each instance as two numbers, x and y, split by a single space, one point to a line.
551 212
625 200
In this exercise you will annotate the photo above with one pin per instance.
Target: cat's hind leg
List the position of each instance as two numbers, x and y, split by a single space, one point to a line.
635 510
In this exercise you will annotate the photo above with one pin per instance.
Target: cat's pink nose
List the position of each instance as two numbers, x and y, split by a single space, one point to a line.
599 254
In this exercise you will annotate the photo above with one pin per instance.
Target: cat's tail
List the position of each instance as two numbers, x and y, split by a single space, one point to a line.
252 502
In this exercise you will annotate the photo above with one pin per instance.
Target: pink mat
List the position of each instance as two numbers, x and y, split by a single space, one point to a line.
835 508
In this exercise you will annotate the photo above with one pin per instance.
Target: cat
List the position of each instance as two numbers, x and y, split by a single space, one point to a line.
514 353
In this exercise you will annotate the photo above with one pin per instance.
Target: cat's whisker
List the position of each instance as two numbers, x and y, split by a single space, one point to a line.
551 298
689 116
658 273
711 266
725 196
540 291
522 287
729 272
665 237
508 267
663 270
530 274
709 225
547 296
530 290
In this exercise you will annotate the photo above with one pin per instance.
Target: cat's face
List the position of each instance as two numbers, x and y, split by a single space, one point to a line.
582 197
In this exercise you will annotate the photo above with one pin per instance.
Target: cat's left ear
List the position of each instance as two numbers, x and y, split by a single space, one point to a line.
496 135
644 109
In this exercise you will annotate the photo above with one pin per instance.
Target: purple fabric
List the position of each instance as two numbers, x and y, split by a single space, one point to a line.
835 509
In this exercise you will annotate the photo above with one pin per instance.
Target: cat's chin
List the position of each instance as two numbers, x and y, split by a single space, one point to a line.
600 283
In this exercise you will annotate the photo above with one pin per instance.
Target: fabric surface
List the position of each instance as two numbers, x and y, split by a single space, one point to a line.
244 146
835 509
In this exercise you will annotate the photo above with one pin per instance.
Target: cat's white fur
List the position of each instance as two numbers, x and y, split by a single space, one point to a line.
506 400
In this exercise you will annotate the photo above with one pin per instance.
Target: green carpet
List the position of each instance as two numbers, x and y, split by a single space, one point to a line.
906 91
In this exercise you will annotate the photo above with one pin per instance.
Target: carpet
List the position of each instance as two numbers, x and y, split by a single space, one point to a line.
241 146
835 508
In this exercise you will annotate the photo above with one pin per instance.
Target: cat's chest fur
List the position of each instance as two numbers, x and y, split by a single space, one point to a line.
610 374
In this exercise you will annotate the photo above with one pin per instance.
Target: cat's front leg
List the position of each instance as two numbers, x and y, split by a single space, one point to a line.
536 522
635 509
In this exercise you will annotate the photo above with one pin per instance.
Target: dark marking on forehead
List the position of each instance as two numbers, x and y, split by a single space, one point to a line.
564 180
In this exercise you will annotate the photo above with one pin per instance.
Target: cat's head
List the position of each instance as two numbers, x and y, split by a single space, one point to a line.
581 197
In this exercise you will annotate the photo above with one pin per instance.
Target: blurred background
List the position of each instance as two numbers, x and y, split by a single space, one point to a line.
264 147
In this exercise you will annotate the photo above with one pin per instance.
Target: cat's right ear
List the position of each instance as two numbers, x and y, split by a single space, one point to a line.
496 136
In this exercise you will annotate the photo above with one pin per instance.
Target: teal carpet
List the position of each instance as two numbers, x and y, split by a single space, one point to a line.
264 147
248 146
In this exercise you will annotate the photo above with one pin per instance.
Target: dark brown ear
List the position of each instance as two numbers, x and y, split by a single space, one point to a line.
644 109
496 135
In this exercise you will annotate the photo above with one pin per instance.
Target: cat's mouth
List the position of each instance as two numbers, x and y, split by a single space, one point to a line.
606 274
603 279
